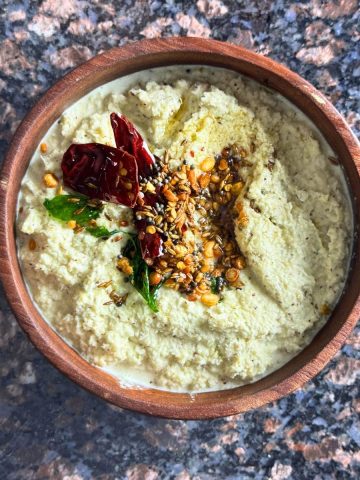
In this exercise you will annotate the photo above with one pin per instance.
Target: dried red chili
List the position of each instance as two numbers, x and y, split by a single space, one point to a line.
151 243
101 172
128 138
111 174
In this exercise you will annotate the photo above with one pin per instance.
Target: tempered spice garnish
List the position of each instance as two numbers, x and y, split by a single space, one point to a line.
104 284
179 215
93 169
32 244
129 139
117 299
81 210
194 218
112 174
140 276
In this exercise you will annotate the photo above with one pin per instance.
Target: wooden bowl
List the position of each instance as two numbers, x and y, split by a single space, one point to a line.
122 61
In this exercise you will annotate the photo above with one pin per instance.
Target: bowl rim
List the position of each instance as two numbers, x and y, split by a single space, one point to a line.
143 55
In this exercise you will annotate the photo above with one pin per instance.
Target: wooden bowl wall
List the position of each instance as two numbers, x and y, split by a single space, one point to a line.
109 66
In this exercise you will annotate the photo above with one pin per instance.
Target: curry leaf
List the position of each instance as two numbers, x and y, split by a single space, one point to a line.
101 232
141 272
79 208
72 207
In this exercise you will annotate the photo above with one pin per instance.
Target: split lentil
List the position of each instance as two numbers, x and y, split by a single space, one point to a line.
194 211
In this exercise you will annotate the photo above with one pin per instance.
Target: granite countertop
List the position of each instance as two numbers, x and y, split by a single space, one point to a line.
51 428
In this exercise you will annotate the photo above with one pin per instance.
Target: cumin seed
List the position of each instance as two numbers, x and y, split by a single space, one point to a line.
80 210
104 284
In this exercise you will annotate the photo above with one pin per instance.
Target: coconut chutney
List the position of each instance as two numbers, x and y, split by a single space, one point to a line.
295 241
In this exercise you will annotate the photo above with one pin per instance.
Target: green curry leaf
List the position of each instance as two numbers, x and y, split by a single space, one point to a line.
141 273
79 208
72 207
101 232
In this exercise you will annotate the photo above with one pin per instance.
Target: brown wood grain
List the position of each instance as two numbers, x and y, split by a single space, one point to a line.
109 66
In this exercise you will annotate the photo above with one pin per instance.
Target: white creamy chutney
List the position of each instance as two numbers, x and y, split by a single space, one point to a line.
297 246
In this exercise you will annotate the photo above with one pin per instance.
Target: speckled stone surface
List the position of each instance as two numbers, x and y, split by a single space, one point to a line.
49 427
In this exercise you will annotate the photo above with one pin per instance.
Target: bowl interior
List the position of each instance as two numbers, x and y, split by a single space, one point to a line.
142 56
